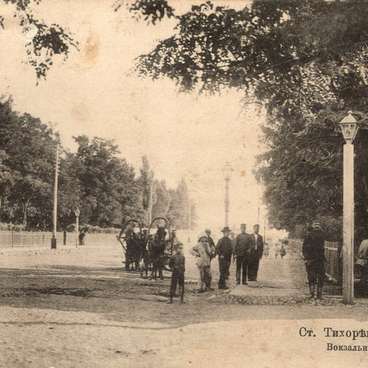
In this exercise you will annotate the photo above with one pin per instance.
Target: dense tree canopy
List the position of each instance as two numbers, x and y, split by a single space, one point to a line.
28 151
305 63
95 179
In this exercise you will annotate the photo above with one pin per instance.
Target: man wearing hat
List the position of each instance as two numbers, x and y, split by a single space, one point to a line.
224 249
241 255
314 258
203 253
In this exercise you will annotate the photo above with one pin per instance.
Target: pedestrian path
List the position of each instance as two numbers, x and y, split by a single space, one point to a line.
274 280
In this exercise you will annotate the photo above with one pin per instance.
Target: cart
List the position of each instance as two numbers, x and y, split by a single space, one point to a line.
160 248
133 244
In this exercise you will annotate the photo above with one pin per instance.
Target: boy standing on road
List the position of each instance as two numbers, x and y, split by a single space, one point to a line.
177 264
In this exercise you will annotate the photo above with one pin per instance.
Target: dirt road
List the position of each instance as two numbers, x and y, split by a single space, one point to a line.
78 308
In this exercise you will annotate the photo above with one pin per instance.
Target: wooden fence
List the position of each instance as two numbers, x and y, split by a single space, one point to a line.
334 264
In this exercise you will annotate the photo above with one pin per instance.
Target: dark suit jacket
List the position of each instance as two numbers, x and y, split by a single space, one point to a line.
256 250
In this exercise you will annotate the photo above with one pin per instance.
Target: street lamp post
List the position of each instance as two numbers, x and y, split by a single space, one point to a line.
53 240
77 213
227 171
349 129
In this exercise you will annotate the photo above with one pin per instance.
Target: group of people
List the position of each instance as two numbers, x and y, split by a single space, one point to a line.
247 251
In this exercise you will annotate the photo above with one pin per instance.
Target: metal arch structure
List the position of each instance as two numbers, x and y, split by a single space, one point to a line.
150 243
123 241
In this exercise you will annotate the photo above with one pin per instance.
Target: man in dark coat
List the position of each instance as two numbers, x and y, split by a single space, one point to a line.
224 249
254 253
241 255
314 258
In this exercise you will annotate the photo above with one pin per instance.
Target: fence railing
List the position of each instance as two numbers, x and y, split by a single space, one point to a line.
32 239
27 238
333 264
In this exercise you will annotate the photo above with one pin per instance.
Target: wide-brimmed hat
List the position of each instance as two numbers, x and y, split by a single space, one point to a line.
226 228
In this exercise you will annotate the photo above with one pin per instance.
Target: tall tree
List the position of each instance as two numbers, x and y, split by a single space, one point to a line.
108 184
161 199
305 63
29 154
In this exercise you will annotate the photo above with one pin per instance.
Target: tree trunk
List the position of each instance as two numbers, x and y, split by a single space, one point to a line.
25 207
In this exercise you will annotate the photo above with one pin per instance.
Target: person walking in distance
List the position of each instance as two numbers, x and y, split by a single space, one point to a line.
240 254
254 253
277 250
282 252
177 264
224 250
203 253
314 258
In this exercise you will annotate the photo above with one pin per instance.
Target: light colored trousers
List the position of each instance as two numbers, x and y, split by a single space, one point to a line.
205 277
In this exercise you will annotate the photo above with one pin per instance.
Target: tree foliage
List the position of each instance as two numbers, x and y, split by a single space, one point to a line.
27 166
305 63
95 180
44 41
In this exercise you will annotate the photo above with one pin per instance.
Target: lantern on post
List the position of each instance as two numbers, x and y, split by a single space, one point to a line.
349 128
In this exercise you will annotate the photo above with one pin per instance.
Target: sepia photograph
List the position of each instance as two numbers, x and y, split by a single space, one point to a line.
183 183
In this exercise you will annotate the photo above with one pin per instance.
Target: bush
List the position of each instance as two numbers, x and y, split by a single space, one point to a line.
11 227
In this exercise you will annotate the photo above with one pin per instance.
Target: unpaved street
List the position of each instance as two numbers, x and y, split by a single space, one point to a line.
78 308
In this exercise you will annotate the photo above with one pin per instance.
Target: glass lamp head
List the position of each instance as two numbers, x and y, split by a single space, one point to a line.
349 128
227 171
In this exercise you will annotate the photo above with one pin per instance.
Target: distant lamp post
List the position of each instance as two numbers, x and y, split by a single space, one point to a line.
77 213
53 239
349 127
227 170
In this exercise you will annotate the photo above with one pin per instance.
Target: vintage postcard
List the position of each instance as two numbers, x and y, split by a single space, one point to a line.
171 184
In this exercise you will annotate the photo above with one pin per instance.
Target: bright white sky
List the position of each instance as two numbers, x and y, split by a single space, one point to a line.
183 135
